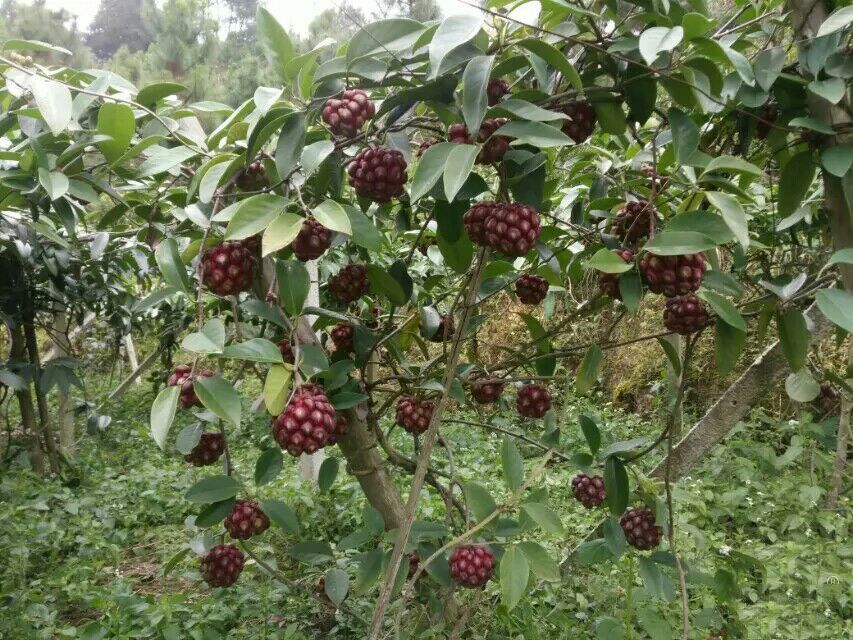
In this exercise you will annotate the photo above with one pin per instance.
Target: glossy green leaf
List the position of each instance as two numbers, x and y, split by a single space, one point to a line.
277 388
163 414
794 337
220 397
587 374
475 79
331 215
281 515
213 489
512 464
171 267
294 282
555 58
281 232
794 182
837 306
515 572
117 121
254 214
430 168
268 466
457 168
616 485
276 43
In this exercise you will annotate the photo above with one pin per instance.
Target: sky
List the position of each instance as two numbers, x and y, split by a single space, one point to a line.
293 14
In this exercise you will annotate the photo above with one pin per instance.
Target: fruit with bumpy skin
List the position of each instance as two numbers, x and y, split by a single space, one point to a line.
640 529
349 284
228 268
414 414
486 391
475 221
446 327
342 335
609 282
423 146
494 147
347 114
581 122
634 221
222 565
378 174
209 449
513 229
685 315
254 177
531 289
768 116
472 565
673 275
286 349
305 423
533 401
496 89
312 241
182 377
589 490
246 520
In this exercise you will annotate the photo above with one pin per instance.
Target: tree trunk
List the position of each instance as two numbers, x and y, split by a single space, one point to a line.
18 351
41 400
309 464
65 403
130 348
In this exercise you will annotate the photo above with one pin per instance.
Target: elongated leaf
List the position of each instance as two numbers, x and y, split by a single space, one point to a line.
590 432
543 516
163 414
268 466
291 141
655 40
515 572
724 308
276 388
451 33
254 214
294 283
171 267
553 57
331 215
513 465
794 182
220 397
457 168
616 485
837 306
430 168
213 489
327 474
118 122
281 232
479 500
254 350
54 103
537 134
587 374
281 515
275 41
475 80
336 585
794 337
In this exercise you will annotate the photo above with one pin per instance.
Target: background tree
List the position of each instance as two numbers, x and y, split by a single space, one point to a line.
119 23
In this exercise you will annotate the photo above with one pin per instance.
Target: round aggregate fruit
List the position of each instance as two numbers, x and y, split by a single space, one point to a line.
496 89
208 450
446 327
306 422
228 268
246 520
531 289
634 221
312 241
182 377
513 229
588 490
414 561
254 177
486 391
346 115
581 122
222 565
471 565
286 349
378 174
685 314
414 414
640 528
349 284
673 275
609 282
533 401
475 221
494 147
253 244
342 335
768 116
423 146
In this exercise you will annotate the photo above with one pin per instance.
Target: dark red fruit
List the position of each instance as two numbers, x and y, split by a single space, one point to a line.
253 244
513 229
228 268
445 330
254 177
342 335
306 422
414 414
486 391
208 450
312 241
414 561
378 174
768 116
181 377
588 490
494 147
471 565
246 520
657 181
222 565
640 528
685 315
286 349
609 282
423 146
673 275
496 89
581 122
346 115
349 284
531 289
533 401
634 221
475 221
341 425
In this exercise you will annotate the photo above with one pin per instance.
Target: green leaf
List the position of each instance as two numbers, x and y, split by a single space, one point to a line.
268 466
724 308
685 135
732 164
254 350
149 96
220 397
276 388
525 111
383 36
653 577
587 374
671 354
457 255
53 101
311 551
794 337
327 474
118 122
347 400
429 169
810 122
171 267
475 80
314 360
479 500
513 465
594 552
837 20
611 117
553 57
163 414
291 141
213 489
655 40
616 485
161 159
695 25
607 628
281 515
768 65
364 232
542 564
314 154
656 626
383 283
837 306
336 585
801 386
608 262
614 536
211 338
56 184
590 432
728 346
676 243
294 282
543 516
453 32
794 182
457 168
515 572
331 215
537 134
842 256
275 41
281 232
15 44
214 513
831 89
631 290
837 159
254 214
